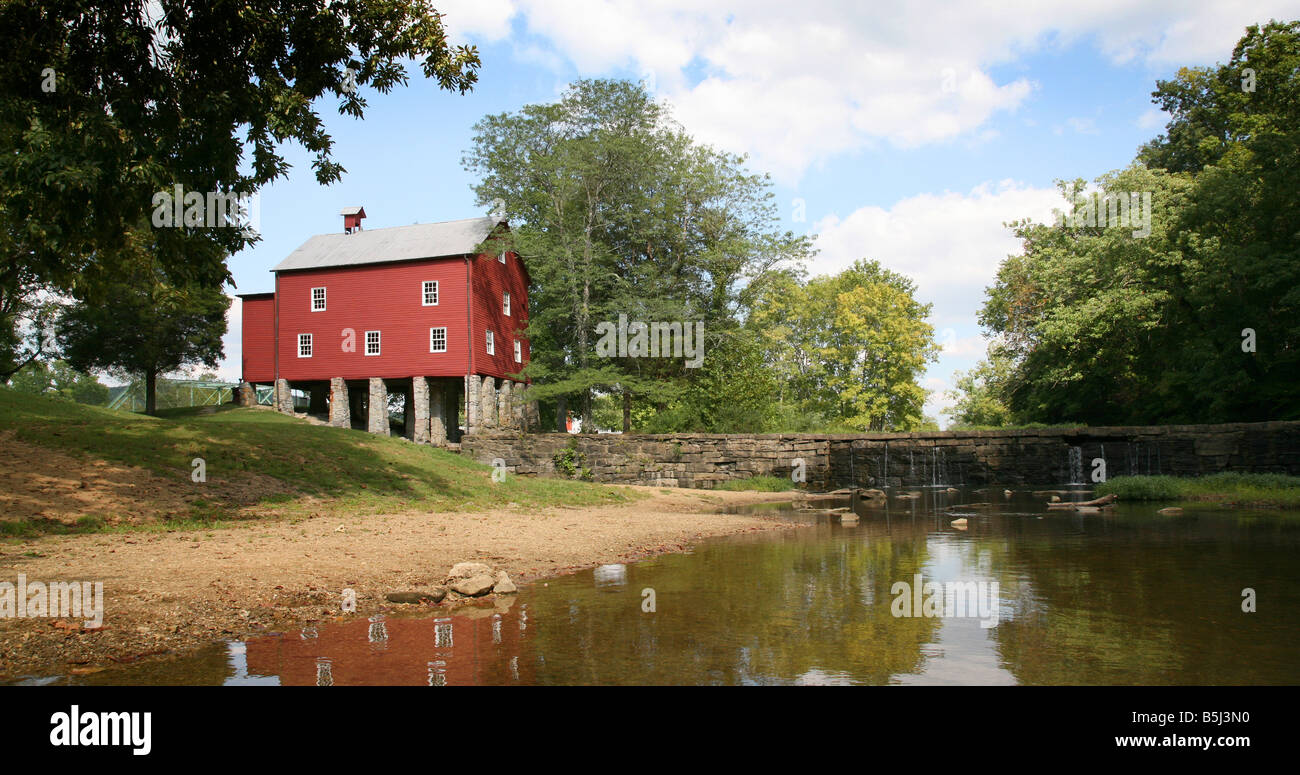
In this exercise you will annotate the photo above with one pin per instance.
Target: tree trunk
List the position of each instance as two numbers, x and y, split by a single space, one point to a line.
151 392
561 414
627 410
588 422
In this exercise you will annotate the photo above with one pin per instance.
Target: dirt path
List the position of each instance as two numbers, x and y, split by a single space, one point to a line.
168 592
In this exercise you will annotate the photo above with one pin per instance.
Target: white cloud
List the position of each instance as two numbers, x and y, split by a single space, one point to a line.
483 20
1083 126
951 243
794 84
1155 118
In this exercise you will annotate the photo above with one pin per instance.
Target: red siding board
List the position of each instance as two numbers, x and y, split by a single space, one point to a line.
257 328
491 280
384 298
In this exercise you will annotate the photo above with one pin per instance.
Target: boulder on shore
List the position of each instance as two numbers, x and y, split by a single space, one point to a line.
474 586
465 570
503 585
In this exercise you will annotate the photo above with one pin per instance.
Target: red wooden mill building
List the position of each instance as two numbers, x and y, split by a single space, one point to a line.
416 310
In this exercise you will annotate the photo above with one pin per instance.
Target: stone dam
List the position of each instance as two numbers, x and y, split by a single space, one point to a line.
923 459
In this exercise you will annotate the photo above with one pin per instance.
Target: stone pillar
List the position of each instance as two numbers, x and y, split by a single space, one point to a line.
377 408
505 410
438 414
487 412
519 407
340 407
472 385
418 407
317 400
283 397
247 394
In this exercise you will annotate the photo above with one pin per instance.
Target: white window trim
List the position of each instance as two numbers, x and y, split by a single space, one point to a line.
424 295
505 303
443 329
321 308
502 257
378 340
519 351
491 343
310 348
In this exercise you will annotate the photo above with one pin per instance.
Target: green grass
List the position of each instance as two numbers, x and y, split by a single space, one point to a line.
759 483
1227 489
346 471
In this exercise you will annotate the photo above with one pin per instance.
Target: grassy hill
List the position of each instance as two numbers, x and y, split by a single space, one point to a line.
259 464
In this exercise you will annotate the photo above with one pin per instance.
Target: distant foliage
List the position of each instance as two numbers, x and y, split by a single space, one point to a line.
847 350
60 379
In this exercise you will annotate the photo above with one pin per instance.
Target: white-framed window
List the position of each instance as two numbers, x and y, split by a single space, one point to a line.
491 344
438 340
429 293
317 299
304 345
372 343
519 351
505 303
502 257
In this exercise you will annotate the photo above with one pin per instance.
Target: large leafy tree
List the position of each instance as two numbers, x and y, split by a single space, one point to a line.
135 319
850 348
108 103
619 212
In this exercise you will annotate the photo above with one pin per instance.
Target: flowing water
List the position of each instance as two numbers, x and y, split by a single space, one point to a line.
1125 597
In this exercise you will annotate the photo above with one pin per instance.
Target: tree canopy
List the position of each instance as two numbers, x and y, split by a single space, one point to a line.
1196 319
618 212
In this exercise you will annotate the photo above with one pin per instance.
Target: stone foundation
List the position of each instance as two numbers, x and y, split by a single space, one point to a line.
377 408
340 407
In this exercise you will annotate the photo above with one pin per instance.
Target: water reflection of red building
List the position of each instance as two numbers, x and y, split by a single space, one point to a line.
475 647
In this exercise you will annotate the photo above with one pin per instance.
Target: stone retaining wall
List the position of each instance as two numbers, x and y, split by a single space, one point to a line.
1038 456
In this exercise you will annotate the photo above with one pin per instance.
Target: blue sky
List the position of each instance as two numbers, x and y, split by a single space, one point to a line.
910 134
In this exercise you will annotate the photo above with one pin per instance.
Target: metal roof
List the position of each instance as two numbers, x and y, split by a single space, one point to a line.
397 243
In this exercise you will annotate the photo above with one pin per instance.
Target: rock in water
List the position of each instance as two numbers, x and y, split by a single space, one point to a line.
504 586
958 522
474 586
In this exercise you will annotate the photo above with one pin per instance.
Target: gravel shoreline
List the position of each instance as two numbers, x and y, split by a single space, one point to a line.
166 594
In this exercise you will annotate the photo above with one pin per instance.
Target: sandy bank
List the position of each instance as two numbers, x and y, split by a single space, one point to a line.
166 593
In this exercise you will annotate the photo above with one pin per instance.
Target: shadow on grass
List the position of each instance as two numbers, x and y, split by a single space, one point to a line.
356 469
